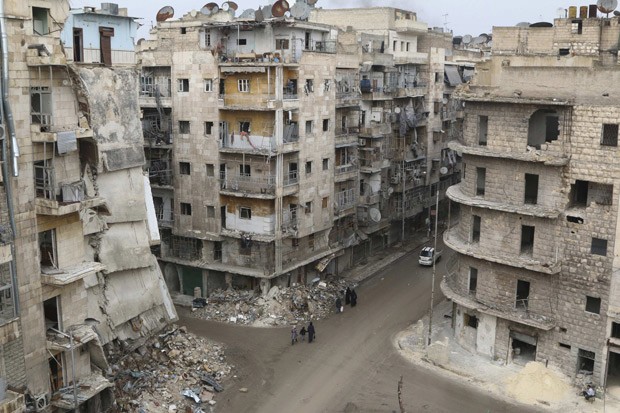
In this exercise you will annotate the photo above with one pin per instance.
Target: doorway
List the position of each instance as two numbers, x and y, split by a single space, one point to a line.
78 45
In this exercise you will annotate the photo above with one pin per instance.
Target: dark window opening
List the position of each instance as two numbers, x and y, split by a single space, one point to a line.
585 361
563 345
473 279
470 320
523 294
325 164
208 128
78 45
186 209
579 193
51 312
552 130
308 127
47 249
483 129
183 85
610 135
524 350
245 170
599 247
308 167
544 127
295 242
311 242
183 30
325 125
184 168
576 26
615 330
475 229
574 220
242 42
184 127
245 213
217 251
564 52
531 189
593 304
481 174
527 239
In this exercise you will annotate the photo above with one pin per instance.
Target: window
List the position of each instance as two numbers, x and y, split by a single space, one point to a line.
483 130
242 42
311 241
210 211
394 45
325 125
41 105
309 87
245 170
184 168
585 361
183 30
475 229
207 37
481 174
244 126
564 345
576 26
245 246
78 44
599 247
245 213
243 85
523 294
295 242
308 207
564 51
473 279
325 202
470 320
531 189
402 46
615 330
579 193
527 239
610 135
186 209
208 85
281 44
217 250
308 127
210 169
325 164
407 46
208 128
183 85
593 305
308 167
47 248
184 127
552 128
40 23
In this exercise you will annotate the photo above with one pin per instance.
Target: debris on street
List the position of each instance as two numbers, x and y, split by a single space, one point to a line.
280 306
173 372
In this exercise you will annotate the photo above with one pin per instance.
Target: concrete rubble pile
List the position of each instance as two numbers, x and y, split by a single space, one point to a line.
173 372
280 306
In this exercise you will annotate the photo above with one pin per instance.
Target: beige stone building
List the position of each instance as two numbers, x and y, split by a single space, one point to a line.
77 272
535 274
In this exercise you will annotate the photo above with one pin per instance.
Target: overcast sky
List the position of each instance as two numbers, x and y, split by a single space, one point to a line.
462 16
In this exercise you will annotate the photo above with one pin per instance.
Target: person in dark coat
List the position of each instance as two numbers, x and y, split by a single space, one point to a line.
311 332
302 333
338 305
353 298
347 296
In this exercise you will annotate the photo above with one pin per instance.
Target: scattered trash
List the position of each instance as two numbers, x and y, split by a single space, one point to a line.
212 382
191 395
199 302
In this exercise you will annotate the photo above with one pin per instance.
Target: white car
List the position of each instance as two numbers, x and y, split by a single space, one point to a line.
427 254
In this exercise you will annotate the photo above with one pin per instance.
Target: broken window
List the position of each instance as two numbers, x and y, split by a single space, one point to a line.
183 85
325 125
244 126
470 320
51 311
47 249
245 170
208 128
308 207
527 239
308 127
325 164
44 184
186 248
210 169
210 211
473 279
208 83
186 209
475 229
40 21
574 220
531 189
483 130
481 174
217 250
184 168
309 87
41 105
599 247
544 126
184 127
308 167
609 136
576 26
585 361
243 85
579 193
523 294
282 44
245 213
593 304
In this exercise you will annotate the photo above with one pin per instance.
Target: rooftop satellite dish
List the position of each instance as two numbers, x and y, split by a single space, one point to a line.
606 6
375 214
266 12
479 40
193 13
229 5
248 14
467 39
205 11
301 11
523 24
443 170
541 24
164 14
259 16
279 8
616 13
311 2
397 110
213 7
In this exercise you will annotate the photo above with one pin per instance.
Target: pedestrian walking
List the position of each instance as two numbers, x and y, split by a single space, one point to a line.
294 335
347 296
302 333
353 298
339 307
311 332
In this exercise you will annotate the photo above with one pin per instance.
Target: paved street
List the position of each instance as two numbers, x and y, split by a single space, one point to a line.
353 365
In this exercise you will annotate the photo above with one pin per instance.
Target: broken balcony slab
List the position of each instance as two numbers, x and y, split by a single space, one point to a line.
44 206
81 335
13 403
38 136
454 242
87 388
533 155
64 276
455 193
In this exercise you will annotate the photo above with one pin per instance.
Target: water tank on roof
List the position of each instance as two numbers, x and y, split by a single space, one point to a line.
592 11
583 12
110 8
572 12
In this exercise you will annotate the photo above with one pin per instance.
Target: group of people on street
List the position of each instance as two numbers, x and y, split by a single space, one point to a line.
350 297
310 331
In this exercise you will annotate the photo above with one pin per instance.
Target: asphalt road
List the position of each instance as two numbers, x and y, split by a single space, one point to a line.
353 366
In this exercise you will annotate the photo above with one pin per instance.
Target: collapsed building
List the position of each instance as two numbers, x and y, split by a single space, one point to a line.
282 149
77 272
536 269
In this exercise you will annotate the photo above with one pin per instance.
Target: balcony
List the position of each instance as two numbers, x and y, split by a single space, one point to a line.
345 200
345 172
529 154
71 198
410 25
45 51
346 136
411 91
454 242
456 194
63 276
87 388
244 142
244 185
82 334
246 101
347 98
58 208
154 95
165 218
376 130
380 93
67 137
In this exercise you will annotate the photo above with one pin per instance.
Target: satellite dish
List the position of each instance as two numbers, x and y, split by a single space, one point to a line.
266 11
301 11
606 6
523 24
375 214
248 14
279 8
229 5
443 170
541 24
397 110
164 14
616 13
479 40
467 39
212 7
259 16
193 13
311 2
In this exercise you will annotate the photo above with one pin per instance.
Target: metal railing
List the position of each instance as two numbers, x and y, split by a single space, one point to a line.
343 169
246 183
165 218
44 182
345 199
291 178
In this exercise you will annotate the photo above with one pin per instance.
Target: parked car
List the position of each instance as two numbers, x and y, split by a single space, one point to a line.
427 254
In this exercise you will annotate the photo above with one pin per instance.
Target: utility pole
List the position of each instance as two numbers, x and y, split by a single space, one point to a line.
404 201
430 313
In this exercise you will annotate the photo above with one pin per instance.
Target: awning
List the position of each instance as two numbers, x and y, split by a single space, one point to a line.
452 73
242 69
324 262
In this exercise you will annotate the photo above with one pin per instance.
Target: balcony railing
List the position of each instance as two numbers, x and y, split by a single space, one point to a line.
151 90
291 178
250 184
345 199
165 217
349 130
343 169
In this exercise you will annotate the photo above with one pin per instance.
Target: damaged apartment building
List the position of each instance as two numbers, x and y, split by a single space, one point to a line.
536 269
77 271
284 148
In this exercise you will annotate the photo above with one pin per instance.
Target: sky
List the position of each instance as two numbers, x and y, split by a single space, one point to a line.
461 16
